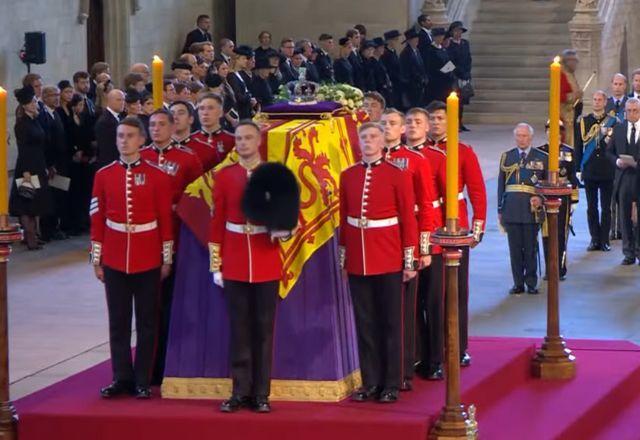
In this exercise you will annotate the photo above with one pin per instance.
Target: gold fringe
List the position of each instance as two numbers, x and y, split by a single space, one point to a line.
291 390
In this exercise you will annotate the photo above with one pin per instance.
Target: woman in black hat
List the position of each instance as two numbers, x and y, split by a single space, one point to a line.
30 196
460 54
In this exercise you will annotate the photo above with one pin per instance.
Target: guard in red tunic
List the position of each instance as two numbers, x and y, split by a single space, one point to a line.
182 167
378 240
472 180
131 250
420 170
183 116
245 260
215 143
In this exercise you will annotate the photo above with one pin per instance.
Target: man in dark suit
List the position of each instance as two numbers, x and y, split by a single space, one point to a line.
227 48
106 127
342 68
323 62
240 80
519 208
200 34
618 98
355 59
624 151
412 70
424 31
287 46
391 61
440 82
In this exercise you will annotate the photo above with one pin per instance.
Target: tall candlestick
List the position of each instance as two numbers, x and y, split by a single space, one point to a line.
554 115
4 176
452 157
157 67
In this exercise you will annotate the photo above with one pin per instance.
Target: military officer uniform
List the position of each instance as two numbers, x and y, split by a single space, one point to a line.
471 179
182 167
422 180
378 238
615 107
211 148
251 267
520 171
597 173
131 237
567 170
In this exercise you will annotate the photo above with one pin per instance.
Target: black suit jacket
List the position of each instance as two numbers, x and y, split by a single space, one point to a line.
56 151
618 144
287 72
343 71
242 93
358 70
195 36
424 43
324 66
105 131
261 90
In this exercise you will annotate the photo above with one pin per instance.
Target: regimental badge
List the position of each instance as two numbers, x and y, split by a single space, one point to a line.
401 162
220 147
566 156
171 168
139 179
534 179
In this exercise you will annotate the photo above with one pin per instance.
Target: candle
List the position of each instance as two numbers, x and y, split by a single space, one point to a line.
554 115
157 67
4 177
452 157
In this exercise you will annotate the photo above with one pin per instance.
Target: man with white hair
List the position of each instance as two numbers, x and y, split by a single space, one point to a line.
520 209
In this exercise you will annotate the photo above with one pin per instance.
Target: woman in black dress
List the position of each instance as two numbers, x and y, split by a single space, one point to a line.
30 196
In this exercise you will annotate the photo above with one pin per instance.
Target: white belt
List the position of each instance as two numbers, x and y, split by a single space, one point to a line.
124 227
441 200
365 223
247 228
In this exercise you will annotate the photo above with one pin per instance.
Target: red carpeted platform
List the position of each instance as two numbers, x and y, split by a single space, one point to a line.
602 402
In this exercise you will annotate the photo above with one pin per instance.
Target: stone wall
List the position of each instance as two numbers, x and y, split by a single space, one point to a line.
620 49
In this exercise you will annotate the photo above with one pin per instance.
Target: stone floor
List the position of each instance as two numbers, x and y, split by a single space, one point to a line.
58 323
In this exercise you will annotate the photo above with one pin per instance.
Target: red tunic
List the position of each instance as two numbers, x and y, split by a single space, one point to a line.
470 177
213 147
131 217
378 192
241 256
422 177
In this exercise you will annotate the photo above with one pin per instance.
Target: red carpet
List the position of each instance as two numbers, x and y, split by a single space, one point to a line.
602 402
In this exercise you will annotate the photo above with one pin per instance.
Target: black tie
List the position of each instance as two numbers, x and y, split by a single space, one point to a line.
632 140
523 156
617 105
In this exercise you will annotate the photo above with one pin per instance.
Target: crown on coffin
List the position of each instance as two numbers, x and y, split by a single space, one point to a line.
302 92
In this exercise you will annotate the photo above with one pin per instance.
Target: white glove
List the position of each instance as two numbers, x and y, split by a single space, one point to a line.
280 235
573 207
579 176
217 279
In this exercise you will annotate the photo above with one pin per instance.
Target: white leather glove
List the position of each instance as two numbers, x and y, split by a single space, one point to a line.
217 279
579 176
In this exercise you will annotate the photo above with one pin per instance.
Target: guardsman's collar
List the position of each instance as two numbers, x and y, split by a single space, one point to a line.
419 146
436 142
393 148
249 165
211 133
163 149
375 163
182 141
129 165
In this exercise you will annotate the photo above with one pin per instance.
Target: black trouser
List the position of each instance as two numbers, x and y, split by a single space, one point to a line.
377 306
599 222
80 195
252 309
627 194
409 291
431 311
60 218
164 319
564 217
123 291
523 247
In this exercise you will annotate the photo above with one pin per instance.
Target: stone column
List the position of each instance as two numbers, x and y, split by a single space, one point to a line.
437 10
586 39
117 39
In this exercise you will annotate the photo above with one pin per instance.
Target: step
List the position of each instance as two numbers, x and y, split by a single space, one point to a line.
509 106
548 50
475 117
510 83
495 17
540 95
511 72
516 39
507 28
508 61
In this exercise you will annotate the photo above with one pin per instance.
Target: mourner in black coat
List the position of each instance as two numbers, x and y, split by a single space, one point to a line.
412 70
391 61
200 34
342 68
440 83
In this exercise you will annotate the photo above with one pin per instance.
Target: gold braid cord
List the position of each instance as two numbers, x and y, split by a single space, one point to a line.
215 261
96 253
425 248
408 258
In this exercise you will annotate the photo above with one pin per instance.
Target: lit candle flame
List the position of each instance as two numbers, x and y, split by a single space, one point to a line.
556 60
453 95
156 59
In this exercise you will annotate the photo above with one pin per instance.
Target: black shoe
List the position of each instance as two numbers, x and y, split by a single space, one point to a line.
363 394
545 277
563 277
117 389
516 290
435 373
234 403
463 128
465 360
606 247
143 393
407 385
593 246
388 396
628 261
532 290
261 405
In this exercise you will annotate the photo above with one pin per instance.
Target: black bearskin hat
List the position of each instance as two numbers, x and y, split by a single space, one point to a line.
272 197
